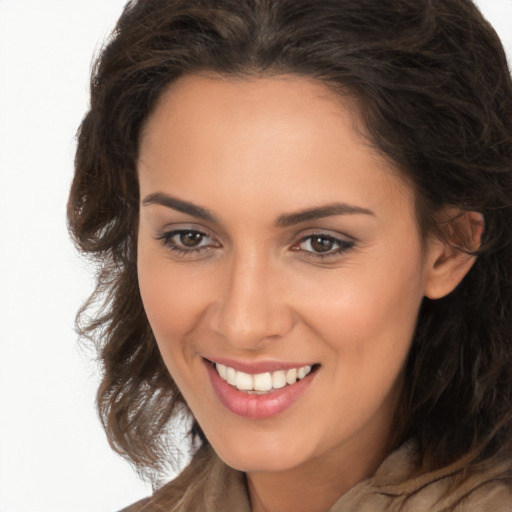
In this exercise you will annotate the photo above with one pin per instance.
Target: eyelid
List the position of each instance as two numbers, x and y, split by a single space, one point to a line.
166 236
336 235
343 242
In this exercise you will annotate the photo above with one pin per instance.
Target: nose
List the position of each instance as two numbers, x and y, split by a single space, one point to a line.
251 308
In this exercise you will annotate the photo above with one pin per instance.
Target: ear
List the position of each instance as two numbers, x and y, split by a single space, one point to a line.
449 259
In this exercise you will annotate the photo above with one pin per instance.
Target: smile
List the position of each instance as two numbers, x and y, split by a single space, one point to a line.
261 382
259 395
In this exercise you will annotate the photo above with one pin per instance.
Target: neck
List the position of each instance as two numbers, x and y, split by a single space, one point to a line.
316 485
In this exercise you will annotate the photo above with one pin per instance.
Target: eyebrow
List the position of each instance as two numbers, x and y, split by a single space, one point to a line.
179 205
285 220
321 212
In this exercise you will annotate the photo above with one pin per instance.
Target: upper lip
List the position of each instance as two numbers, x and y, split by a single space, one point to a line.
255 367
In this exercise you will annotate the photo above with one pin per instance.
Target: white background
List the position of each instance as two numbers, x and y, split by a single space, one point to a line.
53 453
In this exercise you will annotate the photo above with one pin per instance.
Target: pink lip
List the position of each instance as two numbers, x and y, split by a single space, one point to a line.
257 406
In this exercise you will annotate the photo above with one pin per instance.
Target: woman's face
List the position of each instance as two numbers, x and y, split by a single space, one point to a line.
274 245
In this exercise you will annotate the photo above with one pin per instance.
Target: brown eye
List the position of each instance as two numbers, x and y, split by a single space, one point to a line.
185 242
191 238
322 243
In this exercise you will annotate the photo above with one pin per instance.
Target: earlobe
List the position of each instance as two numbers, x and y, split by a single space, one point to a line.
450 259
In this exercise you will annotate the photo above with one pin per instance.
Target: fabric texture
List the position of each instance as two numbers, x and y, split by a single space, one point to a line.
393 488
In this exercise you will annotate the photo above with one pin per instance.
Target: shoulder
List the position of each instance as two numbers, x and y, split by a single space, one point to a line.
398 485
495 496
206 484
136 507
450 489
476 493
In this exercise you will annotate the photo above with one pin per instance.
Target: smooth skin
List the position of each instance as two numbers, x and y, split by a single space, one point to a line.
222 275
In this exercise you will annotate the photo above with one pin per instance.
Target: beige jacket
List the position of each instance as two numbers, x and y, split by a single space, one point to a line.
390 489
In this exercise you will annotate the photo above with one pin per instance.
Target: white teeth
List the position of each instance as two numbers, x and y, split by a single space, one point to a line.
279 379
222 371
244 381
291 376
302 372
231 376
261 382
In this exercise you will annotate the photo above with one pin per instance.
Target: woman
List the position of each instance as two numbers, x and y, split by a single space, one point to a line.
301 214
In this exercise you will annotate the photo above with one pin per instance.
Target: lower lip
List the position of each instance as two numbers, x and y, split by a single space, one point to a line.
257 406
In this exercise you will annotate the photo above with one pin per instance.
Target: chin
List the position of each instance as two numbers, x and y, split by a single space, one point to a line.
263 455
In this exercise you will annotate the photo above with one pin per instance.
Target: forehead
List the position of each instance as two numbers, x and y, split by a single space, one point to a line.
280 138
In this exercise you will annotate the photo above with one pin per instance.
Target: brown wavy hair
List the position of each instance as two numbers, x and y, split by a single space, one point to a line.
434 94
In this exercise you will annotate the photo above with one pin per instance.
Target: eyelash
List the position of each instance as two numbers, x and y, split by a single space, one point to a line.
167 239
343 245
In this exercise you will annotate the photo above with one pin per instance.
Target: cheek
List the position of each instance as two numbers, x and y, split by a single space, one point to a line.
174 301
369 314
367 323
